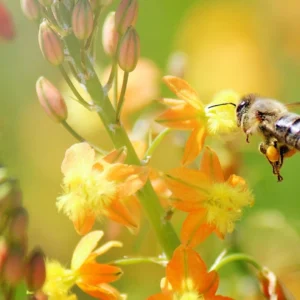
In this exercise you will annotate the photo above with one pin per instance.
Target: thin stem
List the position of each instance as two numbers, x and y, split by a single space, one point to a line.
236 257
156 142
138 260
122 95
116 88
90 39
73 88
111 77
78 137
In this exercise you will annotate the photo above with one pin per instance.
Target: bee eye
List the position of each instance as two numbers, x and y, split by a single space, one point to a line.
241 106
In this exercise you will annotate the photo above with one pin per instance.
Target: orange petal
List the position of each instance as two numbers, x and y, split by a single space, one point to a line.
183 90
116 156
181 117
79 156
218 298
84 248
160 297
187 263
194 145
84 223
210 165
194 229
102 291
94 273
119 213
235 180
140 148
171 102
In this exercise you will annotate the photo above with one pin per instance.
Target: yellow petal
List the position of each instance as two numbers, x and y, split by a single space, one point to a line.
183 91
79 158
84 248
194 145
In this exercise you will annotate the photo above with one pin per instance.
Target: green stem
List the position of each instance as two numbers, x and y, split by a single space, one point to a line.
139 260
235 257
115 96
73 88
122 95
78 137
90 39
156 142
149 200
111 77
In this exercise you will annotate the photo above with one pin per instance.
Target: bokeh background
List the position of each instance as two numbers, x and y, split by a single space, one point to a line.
248 46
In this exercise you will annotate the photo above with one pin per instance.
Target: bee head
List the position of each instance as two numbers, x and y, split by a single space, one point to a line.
243 107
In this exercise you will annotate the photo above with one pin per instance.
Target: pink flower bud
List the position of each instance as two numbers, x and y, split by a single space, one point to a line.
36 270
46 2
51 44
7 30
51 100
3 251
129 51
31 9
126 14
18 225
13 268
82 19
110 36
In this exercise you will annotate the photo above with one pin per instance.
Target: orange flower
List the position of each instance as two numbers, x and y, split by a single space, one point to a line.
98 187
85 272
187 278
189 113
213 204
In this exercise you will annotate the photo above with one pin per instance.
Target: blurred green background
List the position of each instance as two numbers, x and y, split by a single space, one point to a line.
248 46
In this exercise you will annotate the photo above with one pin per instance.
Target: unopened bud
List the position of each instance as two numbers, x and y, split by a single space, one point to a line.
31 9
51 44
36 270
51 100
99 3
18 225
82 19
126 15
129 51
13 268
3 251
46 2
110 36
7 28
62 14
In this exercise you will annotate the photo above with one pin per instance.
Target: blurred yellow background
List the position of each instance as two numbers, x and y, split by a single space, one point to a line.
248 46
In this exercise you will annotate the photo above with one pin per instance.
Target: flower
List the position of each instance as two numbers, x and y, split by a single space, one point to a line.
85 272
187 278
213 204
98 187
189 113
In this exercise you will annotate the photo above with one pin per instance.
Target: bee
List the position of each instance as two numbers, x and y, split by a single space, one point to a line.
271 119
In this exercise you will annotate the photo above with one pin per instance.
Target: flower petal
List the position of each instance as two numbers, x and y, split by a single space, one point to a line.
103 249
94 273
116 156
210 165
160 297
84 248
79 157
183 90
195 229
194 145
83 223
102 291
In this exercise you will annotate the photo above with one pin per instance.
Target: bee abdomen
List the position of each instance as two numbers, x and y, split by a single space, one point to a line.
288 129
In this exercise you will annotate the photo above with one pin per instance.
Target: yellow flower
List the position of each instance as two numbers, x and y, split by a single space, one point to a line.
98 187
213 204
189 113
90 276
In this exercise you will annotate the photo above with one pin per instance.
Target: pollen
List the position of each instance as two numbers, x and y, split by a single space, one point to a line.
189 291
88 193
222 119
225 205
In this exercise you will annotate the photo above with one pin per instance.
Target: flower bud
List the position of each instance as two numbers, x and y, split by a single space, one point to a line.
31 9
110 36
36 270
129 51
51 44
46 2
82 19
51 100
99 3
18 225
7 30
3 251
126 15
62 14
13 268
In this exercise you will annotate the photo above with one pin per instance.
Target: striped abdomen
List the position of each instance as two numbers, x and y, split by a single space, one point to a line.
287 130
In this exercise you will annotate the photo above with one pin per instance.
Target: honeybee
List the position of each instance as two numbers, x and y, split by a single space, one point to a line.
279 128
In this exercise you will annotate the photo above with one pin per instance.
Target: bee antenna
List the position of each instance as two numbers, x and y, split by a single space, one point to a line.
221 104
